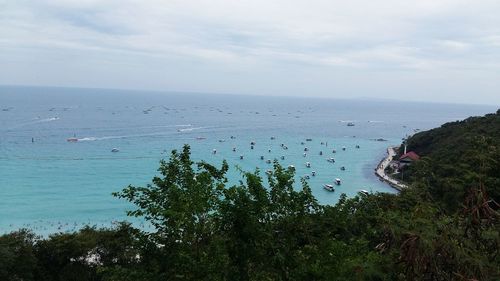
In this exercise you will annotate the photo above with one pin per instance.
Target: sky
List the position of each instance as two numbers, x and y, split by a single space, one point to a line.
425 50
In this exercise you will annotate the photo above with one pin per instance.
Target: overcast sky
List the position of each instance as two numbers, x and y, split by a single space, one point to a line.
437 50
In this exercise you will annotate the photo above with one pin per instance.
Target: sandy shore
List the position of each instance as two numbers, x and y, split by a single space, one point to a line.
380 170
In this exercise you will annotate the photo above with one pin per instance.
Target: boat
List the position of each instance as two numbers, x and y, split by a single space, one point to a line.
342 168
329 187
357 146
338 181
350 124
344 148
222 140
313 173
331 160
334 151
268 161
308 165
282 157
269 172
308 139
307 177
365 192
291 167
115 150
200 138
72 139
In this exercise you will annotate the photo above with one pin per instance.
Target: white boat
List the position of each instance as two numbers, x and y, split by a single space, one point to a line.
329 187
308 165
338 181
307 177
365 192
115 150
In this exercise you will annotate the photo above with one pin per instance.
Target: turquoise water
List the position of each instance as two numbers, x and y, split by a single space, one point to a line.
53 185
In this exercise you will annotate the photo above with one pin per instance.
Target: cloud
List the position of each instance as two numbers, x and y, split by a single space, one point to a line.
356 37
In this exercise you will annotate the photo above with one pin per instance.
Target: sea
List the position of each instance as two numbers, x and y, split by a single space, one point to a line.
50 185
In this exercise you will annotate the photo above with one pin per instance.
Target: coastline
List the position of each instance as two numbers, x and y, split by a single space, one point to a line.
380 170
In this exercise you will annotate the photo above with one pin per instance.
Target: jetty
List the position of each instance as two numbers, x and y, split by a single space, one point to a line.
380 170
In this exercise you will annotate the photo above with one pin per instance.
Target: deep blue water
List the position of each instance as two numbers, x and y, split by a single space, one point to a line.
55 185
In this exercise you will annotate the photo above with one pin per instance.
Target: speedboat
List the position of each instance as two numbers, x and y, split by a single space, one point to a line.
357 146
308 165
329 187
307 177
313 173
344 148
350 124
338 181
331 160
342 168
291 167
115 150
308 139
365 192
72 139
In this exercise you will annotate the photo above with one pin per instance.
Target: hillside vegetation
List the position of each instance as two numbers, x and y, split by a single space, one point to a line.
458 156
444 227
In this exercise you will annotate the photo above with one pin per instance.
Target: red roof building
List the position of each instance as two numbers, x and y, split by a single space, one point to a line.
409 157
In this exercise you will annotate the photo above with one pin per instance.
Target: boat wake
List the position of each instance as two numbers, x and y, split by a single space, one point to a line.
190 129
